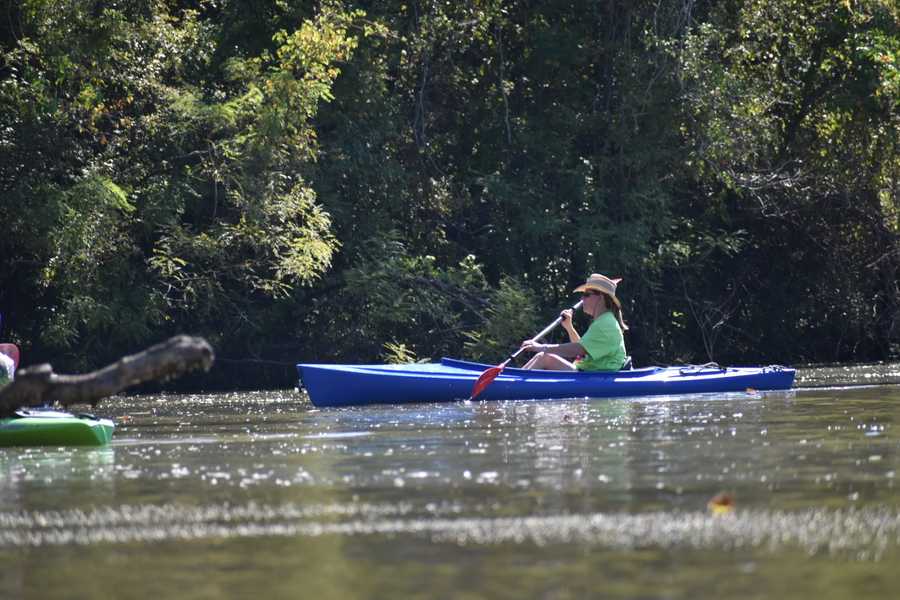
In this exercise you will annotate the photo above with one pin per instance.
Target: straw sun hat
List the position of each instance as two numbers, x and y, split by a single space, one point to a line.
601 283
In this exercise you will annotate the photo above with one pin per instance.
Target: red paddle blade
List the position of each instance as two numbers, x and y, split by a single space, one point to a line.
485 379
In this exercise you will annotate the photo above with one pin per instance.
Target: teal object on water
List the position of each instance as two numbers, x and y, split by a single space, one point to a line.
54 428
449 380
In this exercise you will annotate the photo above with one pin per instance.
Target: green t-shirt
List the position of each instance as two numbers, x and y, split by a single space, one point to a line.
604 344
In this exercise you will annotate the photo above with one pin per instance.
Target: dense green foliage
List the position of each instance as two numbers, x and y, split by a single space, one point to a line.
403 180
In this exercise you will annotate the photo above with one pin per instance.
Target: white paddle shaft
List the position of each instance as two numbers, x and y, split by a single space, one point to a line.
548 328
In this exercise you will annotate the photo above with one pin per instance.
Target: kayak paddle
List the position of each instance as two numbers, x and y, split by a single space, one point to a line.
491 374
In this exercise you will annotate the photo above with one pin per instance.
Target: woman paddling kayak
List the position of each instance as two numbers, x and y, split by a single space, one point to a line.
602 348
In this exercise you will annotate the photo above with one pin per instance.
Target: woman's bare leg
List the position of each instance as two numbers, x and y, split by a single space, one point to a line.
549 362
534 359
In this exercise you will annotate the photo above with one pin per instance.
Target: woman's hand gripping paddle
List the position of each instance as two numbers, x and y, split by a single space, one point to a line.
491 374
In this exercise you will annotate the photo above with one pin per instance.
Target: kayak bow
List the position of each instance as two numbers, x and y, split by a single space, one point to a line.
54 428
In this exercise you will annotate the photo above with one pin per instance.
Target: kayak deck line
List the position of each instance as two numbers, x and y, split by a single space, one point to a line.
452 380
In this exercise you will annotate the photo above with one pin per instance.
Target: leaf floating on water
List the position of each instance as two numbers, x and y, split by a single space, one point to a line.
721 504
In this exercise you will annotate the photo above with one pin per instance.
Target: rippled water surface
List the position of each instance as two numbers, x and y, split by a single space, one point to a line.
252 494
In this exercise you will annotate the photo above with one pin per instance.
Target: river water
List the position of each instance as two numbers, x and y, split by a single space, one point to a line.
249 494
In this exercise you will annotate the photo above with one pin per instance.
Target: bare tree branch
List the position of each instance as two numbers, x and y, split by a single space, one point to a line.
39 385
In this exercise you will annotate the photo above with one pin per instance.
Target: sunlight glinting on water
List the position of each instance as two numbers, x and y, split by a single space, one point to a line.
267 483
861 534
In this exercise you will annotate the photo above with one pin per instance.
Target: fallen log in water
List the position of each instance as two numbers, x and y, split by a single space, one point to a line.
39 385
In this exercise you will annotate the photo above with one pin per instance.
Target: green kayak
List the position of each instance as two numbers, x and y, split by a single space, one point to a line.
54 428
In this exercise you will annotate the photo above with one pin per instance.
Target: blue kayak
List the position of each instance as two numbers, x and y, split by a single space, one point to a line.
449 380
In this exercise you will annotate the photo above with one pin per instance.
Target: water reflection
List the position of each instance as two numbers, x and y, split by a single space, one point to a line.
46 477
365 490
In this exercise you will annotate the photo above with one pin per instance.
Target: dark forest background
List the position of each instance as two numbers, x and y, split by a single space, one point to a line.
402 180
